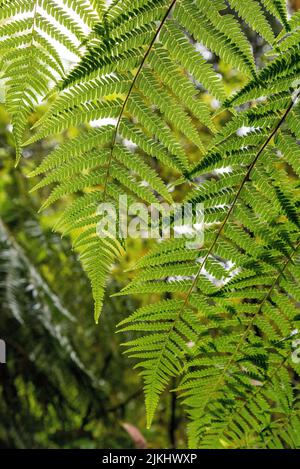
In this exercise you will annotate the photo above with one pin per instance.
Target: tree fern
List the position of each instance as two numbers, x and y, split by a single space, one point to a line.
228 311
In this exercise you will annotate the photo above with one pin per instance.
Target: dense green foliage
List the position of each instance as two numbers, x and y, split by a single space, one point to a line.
187 110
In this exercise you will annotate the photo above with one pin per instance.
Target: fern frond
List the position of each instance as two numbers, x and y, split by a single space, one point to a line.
257 234
252 13
247 360
29 73
228 309
278 8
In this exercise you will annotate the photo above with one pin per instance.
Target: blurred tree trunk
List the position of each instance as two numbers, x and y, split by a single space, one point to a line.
295 4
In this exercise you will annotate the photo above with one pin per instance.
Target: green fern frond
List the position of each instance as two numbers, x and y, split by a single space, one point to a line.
252 13
256 193
28 74
246 359
147 35
226 312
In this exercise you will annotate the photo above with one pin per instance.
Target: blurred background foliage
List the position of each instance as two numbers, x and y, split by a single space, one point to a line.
66 383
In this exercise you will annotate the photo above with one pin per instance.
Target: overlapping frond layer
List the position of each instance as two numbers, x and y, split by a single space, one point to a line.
136 73
31 34
228 310
239 405
80 167
230 293
210 23
265 415
143 71
35 318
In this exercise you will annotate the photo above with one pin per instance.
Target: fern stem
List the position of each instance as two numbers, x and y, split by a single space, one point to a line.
131 89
